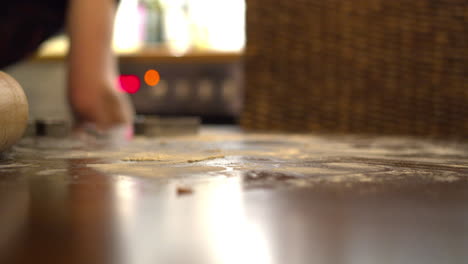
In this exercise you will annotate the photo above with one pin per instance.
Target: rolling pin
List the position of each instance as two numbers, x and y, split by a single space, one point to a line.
13 111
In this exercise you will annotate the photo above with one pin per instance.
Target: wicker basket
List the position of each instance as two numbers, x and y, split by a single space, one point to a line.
360 66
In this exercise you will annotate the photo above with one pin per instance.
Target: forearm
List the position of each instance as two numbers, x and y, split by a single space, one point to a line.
92 67
90 27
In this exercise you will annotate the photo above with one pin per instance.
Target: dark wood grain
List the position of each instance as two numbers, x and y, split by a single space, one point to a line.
410 208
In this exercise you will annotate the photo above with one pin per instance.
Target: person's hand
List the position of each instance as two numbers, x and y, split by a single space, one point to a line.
100 110
102 113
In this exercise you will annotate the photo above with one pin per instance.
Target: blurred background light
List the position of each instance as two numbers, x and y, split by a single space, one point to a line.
129 83
180 25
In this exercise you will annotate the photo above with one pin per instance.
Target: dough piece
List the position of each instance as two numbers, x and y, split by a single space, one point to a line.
13 111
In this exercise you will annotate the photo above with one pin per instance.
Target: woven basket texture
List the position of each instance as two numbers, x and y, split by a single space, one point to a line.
357 66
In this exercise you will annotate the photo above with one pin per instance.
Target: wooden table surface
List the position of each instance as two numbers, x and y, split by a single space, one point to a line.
229 197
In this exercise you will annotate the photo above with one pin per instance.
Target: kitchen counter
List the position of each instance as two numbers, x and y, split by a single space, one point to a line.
150 54
229 197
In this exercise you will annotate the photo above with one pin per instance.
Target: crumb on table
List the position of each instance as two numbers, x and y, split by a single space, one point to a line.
182 190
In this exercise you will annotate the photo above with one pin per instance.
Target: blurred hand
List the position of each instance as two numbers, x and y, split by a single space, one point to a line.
92 70
103 113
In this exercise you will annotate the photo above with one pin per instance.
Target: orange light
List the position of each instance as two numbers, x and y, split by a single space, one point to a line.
152 77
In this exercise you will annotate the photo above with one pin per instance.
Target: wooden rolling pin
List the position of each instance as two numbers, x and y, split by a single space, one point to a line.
13 111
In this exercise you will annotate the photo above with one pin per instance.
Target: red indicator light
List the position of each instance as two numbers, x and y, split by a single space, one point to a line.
129 83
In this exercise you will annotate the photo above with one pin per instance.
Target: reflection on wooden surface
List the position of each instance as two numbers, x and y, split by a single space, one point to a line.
56 207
